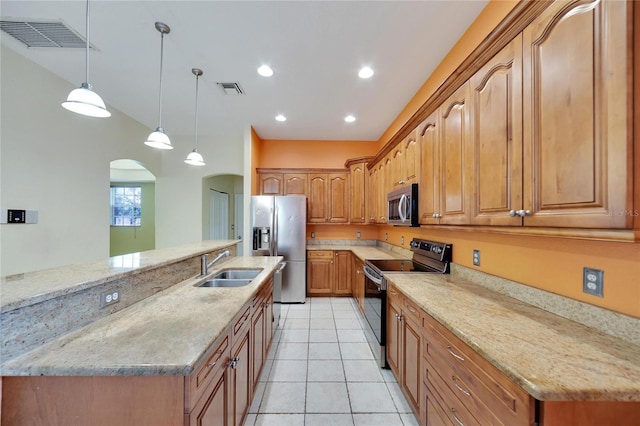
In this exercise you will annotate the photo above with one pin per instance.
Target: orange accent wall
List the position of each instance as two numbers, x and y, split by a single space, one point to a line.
547 263
489 18
312 153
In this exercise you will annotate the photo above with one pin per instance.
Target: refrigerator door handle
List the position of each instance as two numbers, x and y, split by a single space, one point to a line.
273 250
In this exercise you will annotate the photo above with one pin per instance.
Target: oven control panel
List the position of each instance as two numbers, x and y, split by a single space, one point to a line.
432 249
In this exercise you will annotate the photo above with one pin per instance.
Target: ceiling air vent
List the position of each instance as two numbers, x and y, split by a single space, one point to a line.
43 33
231 88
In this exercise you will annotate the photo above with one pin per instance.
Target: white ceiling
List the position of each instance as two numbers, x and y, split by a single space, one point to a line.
315 48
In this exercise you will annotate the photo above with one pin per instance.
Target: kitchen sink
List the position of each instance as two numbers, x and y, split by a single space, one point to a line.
233 274
219 282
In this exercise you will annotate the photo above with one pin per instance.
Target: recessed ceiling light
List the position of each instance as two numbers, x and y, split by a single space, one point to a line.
265 71
349 119
281 117
365 72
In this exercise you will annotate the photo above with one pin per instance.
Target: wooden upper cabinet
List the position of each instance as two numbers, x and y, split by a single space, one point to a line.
317 209
411 148
358 188
577 145
372 194
455 152
429 200
328 198
270 183
338 198
397 166
497 138
295 184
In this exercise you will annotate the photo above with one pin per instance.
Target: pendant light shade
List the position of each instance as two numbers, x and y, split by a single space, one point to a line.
159 139
83 100
194 158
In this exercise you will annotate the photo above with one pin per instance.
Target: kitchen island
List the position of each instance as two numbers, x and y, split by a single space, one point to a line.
154 361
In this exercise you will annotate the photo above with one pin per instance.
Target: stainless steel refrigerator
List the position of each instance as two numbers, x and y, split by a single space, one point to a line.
278 225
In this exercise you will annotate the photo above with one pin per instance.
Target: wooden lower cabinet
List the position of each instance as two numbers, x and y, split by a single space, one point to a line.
329 272
342 272
357 282
404 346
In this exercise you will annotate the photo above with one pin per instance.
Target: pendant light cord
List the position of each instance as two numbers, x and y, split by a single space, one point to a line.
86 61
197 77
160 96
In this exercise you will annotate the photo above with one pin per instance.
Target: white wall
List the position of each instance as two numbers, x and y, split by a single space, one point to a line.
57 162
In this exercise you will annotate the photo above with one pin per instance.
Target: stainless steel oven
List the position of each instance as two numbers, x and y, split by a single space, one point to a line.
428 257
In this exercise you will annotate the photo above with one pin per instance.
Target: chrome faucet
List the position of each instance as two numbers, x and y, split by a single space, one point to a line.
204 266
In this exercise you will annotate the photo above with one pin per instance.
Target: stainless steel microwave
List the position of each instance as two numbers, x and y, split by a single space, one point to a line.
402 206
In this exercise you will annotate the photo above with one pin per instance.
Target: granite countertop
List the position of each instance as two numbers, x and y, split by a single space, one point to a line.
29 288
165 334
550 357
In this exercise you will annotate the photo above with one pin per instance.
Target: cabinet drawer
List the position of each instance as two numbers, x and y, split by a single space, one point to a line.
450 407
203 374
494 394
394 295
327 254
412 310
241 323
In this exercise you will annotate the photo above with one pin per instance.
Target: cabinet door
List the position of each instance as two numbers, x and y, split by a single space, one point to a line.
342 268
240 379
497 138
576 137
411 158
429 200
270 183
338 198
295 184
357 288
317 208
454 140
257 341
358 199
320 272
212 409
372 194
394 333
397 165
411 372
381 197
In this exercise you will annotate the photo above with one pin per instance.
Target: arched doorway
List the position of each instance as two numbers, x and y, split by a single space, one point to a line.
132 208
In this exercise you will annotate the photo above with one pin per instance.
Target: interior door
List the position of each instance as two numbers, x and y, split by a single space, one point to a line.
219 215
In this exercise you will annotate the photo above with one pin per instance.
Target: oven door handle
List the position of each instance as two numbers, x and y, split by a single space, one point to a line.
369 273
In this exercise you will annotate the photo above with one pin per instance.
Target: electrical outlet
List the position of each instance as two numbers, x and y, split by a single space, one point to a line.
402 240
358 235
476 257
593 281
313 235
386 236
109 298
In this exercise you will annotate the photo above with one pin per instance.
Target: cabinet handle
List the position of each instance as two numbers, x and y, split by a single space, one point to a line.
453 411
212 363
454 354
437 216
400 182
512 213
455 383
234 362
413 311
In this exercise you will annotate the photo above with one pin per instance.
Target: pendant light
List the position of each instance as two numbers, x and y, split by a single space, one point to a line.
83 100
159 139
194 158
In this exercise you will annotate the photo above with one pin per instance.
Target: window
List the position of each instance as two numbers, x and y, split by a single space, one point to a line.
125 205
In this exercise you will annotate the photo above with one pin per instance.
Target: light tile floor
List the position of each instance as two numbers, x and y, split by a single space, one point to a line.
320 371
